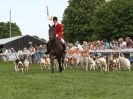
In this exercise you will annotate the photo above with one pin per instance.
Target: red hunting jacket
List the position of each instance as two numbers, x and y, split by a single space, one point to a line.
59 30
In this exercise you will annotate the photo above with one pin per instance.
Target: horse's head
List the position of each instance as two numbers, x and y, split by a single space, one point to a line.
52 32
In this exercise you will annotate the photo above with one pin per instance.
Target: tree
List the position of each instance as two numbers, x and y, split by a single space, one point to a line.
5 30
77 18
113 19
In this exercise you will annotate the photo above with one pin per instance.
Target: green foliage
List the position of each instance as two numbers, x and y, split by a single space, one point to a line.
94 37
114 19
77 18
5 30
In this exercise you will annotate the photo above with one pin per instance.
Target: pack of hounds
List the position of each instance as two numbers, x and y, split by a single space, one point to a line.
110 62
22 62
76 59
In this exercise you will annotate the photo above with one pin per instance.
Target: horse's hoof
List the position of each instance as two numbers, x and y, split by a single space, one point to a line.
52 71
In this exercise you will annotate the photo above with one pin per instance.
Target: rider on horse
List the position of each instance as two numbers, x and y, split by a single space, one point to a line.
58 28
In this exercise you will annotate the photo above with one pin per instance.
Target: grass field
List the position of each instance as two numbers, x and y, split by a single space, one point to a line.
71 84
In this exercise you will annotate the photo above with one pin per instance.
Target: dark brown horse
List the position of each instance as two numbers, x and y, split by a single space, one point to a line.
56 49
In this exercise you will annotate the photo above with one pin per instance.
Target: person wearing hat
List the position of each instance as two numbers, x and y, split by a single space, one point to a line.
58 28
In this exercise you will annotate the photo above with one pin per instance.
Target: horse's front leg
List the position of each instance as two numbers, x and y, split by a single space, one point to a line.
52 64
60 65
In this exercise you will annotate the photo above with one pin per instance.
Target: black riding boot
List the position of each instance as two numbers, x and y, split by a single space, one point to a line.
48 49
64 47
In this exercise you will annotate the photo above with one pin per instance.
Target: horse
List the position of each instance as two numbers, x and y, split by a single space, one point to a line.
56 49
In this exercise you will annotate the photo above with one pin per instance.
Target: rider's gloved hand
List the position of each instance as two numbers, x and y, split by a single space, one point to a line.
56 35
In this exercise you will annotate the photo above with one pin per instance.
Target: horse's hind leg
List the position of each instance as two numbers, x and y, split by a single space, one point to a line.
52 68
62 64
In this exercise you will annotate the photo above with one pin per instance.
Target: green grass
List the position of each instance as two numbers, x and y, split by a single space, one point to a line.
71 84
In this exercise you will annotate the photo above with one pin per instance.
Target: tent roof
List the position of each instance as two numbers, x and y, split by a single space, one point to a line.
6 40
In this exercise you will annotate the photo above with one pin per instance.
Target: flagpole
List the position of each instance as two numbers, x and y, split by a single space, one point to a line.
47 13
48 16
10 23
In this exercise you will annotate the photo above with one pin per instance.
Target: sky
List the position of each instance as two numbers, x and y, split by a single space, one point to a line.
31 15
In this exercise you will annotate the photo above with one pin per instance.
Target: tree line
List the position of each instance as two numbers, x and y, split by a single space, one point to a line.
15 30
5 30
97 19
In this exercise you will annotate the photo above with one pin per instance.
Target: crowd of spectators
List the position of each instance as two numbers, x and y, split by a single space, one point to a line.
30 49
38 51
35 52
121 43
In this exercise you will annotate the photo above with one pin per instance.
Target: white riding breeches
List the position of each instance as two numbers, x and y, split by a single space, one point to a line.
63 41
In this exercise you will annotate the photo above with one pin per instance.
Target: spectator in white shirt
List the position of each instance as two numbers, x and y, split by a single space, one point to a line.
79 46
122 43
